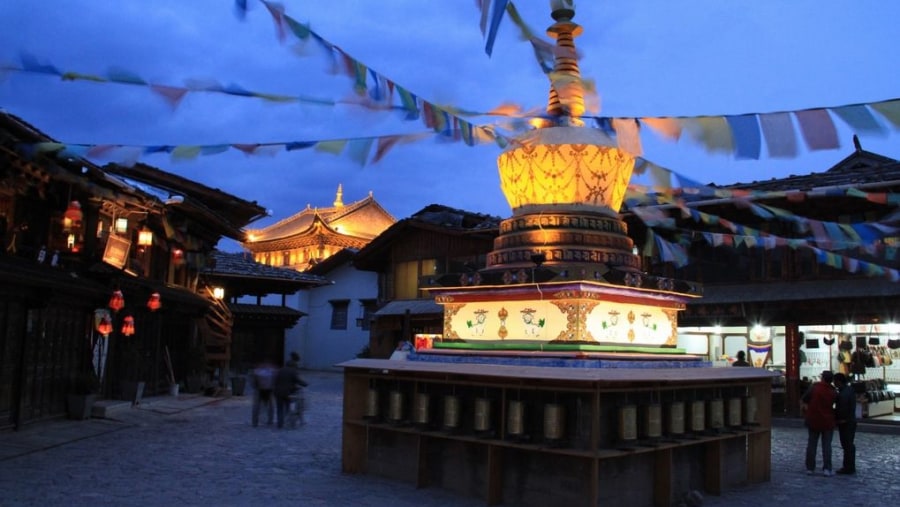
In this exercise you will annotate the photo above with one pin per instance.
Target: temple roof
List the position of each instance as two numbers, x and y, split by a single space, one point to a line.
363 219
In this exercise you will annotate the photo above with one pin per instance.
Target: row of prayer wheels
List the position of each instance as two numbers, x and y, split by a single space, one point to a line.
451 413
652 420
702 416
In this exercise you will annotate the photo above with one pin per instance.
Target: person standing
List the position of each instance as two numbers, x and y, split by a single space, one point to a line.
845 412
263 382
741 359
287 381
818 411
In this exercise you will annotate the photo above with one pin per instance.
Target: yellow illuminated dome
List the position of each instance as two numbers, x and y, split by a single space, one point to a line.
565 165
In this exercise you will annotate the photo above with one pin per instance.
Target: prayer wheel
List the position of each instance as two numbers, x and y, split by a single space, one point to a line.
395 406
628 422
698 415
515 418
653 420
451 411
734 411
420 408
676 418
482 414
554 415
372 403
716 413
750 410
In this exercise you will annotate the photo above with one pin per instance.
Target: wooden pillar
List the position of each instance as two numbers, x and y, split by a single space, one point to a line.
792 368
663 478
715 463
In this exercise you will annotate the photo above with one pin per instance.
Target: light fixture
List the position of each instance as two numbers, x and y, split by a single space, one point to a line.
128 325
219 292
154 303
116 301
145 237
121 226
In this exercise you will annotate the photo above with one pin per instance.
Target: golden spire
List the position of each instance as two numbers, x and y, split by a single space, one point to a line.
338 199
566 89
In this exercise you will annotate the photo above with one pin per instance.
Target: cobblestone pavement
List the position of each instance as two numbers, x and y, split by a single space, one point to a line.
202 451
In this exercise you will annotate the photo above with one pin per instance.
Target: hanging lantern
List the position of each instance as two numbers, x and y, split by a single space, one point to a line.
104 327
116 301
154 303
128 325
73 216
145 237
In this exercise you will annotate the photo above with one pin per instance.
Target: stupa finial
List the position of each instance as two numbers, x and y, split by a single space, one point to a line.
566 88
338 199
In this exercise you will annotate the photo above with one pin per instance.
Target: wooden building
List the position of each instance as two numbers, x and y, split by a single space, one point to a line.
73 235
314 234
258 330
795 258
433 241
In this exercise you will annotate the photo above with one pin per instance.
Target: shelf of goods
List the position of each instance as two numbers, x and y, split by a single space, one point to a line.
529 435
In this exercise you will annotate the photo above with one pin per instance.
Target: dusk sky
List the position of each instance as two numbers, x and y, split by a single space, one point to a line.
648 58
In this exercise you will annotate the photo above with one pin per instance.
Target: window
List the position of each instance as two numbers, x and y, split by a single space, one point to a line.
339 313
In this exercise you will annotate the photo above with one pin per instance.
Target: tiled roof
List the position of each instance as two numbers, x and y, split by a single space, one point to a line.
264 311
446 216
242 265
859 169
413 306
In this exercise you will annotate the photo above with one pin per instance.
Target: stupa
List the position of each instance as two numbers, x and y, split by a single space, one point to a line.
563 275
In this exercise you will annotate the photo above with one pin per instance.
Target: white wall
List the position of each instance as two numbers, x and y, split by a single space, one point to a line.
321 346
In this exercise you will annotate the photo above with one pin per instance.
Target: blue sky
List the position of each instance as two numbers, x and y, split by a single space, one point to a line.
648 58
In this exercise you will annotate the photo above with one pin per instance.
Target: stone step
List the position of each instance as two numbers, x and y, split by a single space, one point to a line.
105 408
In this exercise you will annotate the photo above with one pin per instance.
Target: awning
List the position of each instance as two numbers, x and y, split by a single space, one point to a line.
413 306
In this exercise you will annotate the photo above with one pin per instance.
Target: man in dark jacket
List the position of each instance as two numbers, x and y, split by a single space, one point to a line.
818 411
287 382
845 412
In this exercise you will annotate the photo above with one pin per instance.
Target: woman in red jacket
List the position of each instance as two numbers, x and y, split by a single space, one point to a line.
818 411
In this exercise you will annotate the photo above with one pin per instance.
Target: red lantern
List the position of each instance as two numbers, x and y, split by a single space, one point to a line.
154 303
117 301
73 215
104 327
128 325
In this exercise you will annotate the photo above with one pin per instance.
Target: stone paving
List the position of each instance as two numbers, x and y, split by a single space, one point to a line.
195 450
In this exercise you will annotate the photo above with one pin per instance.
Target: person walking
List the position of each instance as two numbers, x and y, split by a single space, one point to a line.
817 405
845 412
263 383
287 381
741 359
